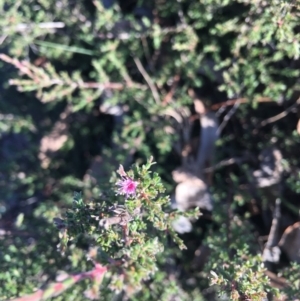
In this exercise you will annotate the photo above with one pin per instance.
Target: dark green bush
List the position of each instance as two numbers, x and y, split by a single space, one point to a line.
89 85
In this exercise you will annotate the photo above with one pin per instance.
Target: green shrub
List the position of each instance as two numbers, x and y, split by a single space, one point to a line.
87 86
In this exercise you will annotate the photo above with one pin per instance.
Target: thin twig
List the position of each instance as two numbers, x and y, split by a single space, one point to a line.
223 163
228 116
113 86
89 85
147 79
232 102
138 35
281 115
27 69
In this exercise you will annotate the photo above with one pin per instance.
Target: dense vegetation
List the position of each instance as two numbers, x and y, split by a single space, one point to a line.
89 85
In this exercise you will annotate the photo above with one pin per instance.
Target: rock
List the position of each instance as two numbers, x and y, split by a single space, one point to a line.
290 242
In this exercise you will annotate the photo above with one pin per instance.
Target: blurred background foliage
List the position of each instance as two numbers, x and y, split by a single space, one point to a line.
87 85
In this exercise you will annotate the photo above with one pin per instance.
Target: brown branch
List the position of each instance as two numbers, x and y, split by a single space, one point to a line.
147 79
228 116
281 115
109 85
234 101
26 69
224 163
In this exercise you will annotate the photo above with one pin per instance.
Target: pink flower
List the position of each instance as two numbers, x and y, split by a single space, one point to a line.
127 186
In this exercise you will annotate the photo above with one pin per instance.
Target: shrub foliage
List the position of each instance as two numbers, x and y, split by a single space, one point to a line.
88 85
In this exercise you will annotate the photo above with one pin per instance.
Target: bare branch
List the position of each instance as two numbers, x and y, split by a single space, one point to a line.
232 102
223 163
228 116
147 79
281 115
